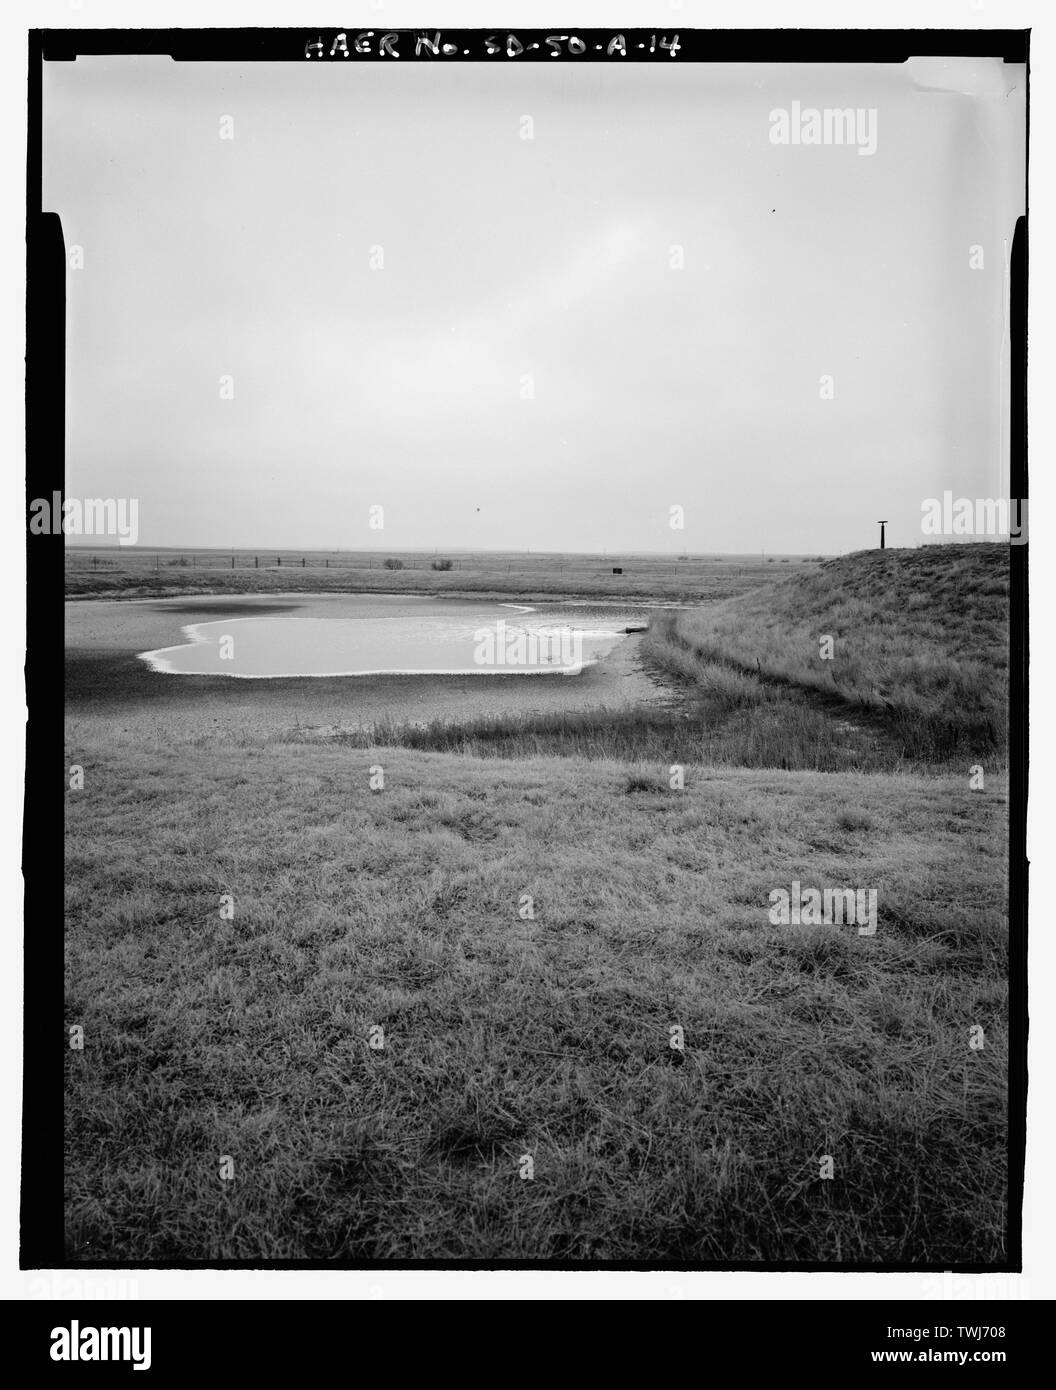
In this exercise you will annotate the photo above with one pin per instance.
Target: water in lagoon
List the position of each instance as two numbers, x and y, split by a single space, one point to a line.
433 643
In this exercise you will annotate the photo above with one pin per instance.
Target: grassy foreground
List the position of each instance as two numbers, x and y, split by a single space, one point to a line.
249 1038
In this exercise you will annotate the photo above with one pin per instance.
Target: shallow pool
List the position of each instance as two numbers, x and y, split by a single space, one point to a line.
435 643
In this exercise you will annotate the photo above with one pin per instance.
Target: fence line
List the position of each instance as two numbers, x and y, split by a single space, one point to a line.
158 562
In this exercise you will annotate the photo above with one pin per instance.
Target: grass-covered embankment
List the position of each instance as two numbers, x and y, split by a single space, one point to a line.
919 646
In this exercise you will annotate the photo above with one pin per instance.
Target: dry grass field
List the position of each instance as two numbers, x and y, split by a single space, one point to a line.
246 912
117 571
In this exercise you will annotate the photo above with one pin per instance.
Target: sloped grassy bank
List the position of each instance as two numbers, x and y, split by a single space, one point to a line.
913 642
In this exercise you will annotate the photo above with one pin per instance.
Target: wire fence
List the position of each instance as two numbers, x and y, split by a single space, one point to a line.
126 560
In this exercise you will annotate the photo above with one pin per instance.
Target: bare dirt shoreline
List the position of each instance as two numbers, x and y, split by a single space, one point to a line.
106 677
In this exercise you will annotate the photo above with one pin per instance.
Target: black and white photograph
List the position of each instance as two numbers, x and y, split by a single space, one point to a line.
542 524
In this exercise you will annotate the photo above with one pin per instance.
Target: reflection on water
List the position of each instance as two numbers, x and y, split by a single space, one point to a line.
435 644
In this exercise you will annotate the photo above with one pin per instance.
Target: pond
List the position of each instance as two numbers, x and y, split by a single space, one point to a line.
489 641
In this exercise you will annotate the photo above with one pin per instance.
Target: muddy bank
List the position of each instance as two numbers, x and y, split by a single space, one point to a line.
105 679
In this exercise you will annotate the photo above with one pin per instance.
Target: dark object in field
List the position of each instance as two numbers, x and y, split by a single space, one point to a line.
230 609
644 782
617 571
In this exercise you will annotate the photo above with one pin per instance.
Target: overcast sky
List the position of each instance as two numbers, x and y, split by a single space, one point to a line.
546 258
